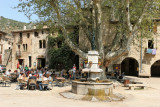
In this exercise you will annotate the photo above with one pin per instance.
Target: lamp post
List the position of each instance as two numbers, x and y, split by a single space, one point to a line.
93 41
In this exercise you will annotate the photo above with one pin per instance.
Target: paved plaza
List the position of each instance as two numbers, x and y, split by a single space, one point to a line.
9 97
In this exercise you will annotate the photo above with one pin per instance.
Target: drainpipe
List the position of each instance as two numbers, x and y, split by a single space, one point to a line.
141 55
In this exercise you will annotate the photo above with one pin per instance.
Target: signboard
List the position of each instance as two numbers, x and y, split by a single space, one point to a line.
116 66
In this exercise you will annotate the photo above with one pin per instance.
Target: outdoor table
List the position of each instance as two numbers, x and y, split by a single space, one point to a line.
60 81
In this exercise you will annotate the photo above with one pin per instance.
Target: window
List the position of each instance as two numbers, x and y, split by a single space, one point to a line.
20 36
30 61
35 34
26 47
23 47
28 35
150 44
40 43
19 47
44 44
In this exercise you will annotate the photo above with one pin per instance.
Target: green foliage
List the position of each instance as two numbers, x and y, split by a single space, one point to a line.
73 15
7 25
61 13
60 58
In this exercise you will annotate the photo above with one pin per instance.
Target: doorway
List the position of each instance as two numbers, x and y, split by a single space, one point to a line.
21 62
41 63
130 67
155 69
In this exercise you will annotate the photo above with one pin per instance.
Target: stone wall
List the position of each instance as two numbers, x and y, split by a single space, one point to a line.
135 50
33 47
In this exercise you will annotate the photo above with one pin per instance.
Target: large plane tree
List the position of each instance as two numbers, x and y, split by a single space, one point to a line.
131 17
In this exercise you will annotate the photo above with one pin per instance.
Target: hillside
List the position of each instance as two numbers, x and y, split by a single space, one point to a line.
7 25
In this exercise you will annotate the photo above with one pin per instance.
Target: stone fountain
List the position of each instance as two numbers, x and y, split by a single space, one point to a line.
93 70
93 88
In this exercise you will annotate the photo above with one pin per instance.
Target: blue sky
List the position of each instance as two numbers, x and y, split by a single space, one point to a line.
7 11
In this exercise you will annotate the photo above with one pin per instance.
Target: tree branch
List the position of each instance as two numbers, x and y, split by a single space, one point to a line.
85 29
98 17
128 16
55 5
141 17
114 55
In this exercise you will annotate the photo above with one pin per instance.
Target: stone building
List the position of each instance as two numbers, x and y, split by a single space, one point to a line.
30 48
142 59
5 49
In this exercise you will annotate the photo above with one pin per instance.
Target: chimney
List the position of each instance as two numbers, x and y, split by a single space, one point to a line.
24 27
34 27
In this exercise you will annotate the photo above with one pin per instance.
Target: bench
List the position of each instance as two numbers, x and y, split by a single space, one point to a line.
133 86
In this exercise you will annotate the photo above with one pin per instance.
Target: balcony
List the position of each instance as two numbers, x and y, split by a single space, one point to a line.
150 51
18 53
20 41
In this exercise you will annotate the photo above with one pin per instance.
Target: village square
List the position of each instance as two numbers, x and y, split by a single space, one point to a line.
80 53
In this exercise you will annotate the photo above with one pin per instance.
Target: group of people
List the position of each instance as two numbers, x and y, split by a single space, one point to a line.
28 76
70 74
42 76
38 78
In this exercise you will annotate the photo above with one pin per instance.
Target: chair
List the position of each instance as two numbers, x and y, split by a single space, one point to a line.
51 81
1 80
32 83
6 80
21 83
45 84
14 77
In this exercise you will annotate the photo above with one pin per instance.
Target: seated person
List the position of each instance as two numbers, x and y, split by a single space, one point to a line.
32 80
8 73
45 82
39 81
22 80
33 76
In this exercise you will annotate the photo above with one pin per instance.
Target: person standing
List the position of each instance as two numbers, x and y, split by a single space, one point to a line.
26 68
74 71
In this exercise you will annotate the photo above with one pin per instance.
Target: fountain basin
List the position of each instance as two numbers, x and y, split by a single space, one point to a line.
92 88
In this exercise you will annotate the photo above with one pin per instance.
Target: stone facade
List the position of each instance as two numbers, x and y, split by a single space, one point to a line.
30 48
137 62
5 49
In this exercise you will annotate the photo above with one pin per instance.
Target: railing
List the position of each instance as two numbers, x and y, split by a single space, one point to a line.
20 41
18 53
150 51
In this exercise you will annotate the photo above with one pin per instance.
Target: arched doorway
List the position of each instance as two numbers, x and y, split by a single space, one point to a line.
155 69
130 67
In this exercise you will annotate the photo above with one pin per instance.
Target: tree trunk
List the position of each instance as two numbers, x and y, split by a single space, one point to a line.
104 73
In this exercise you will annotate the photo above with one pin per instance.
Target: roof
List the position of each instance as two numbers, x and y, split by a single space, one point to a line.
28 30
3 32
156 20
